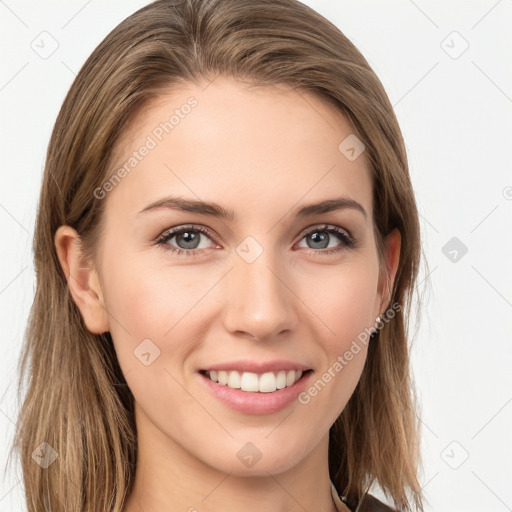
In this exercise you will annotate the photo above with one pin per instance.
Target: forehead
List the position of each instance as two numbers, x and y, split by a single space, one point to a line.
266 147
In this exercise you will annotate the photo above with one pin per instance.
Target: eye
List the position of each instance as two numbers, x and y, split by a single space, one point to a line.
188 239
320 237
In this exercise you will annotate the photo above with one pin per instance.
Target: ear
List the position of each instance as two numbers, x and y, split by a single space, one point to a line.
82 279
391 259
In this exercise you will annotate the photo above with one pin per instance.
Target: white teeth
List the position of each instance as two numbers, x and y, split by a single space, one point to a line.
267 383
247 381
234 380
281 380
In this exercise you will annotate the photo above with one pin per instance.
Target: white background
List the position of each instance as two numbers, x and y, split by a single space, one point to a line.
455 114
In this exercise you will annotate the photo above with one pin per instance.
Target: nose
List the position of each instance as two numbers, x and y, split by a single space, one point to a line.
260 302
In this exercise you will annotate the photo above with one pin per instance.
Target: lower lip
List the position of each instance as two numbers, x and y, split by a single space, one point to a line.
257 402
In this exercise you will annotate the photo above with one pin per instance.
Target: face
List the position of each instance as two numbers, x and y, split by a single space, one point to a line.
268 288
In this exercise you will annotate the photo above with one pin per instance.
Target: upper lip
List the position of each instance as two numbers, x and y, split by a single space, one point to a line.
257 367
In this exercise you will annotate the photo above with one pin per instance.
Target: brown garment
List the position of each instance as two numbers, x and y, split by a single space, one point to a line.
369 503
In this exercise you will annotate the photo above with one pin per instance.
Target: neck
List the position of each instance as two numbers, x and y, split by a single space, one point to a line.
170 479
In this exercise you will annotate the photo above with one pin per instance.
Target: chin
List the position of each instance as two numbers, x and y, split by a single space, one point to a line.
251 461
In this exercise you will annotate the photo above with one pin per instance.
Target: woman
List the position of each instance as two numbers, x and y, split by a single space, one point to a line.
190 346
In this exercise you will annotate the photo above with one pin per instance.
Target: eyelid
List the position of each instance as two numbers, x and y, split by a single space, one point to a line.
207 231
170 232
324 227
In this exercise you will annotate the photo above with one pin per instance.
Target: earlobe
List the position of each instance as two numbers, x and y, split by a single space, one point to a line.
82 279
392 246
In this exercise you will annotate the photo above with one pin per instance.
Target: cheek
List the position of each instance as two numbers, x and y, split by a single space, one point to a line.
153 301
149 298
345 300
345 306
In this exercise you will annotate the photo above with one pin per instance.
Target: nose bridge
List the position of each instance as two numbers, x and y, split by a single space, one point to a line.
259 301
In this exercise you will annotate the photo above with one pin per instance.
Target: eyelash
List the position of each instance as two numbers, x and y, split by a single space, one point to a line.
348 241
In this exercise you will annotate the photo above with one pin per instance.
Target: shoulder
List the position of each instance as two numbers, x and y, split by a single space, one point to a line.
370 503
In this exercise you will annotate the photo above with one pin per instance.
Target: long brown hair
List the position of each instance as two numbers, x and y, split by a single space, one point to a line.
78 407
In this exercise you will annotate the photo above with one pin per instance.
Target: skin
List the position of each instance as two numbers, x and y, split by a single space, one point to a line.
264 153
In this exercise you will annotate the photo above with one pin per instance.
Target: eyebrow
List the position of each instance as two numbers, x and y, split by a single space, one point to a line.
216 210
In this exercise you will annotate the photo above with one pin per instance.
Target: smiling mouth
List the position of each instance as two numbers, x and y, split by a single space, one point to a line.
251 382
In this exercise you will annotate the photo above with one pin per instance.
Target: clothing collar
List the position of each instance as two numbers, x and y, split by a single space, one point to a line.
340 506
